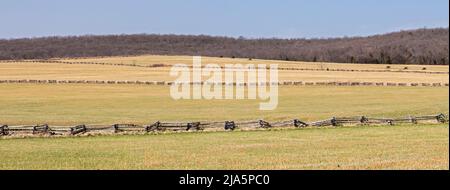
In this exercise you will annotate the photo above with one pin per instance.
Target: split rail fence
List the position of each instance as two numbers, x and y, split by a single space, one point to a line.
158 126
285 83
165 65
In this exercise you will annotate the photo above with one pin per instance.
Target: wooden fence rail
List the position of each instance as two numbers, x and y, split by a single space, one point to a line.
167 83
78 129
165 65
44 129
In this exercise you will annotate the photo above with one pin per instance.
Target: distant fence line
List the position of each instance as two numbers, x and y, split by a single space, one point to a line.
83 63
158 126
285 83
165 65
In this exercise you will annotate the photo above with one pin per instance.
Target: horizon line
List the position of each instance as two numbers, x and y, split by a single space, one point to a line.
231 37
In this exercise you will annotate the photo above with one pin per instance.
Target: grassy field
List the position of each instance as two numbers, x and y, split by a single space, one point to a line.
171 60
398 147
56 71
71 104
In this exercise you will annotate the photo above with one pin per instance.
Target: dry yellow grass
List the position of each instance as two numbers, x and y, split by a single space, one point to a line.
170 60
398 147
56 71
71 104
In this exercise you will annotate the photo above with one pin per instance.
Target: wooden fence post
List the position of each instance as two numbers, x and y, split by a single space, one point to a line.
230 125
43 129
390 122
364 120
334 122
298 123
153 127
4 130
195 125
413 119
116 128
441 118
78 129
264 124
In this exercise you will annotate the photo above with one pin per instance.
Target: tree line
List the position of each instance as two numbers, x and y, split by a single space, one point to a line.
421 46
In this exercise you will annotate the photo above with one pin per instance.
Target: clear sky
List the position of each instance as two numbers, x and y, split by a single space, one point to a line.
248 18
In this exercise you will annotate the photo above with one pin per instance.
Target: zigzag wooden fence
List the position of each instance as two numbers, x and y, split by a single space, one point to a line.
45 129
285 83
164 65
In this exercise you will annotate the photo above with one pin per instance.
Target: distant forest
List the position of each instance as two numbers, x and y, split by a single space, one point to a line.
422 46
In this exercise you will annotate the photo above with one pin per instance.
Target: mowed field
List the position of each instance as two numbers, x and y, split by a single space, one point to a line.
71 104
57 71
399 147
395 147
171 60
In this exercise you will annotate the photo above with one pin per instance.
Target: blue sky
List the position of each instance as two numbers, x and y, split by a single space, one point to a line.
249 18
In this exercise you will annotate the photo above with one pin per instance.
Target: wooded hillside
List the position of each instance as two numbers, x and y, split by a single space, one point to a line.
423 46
